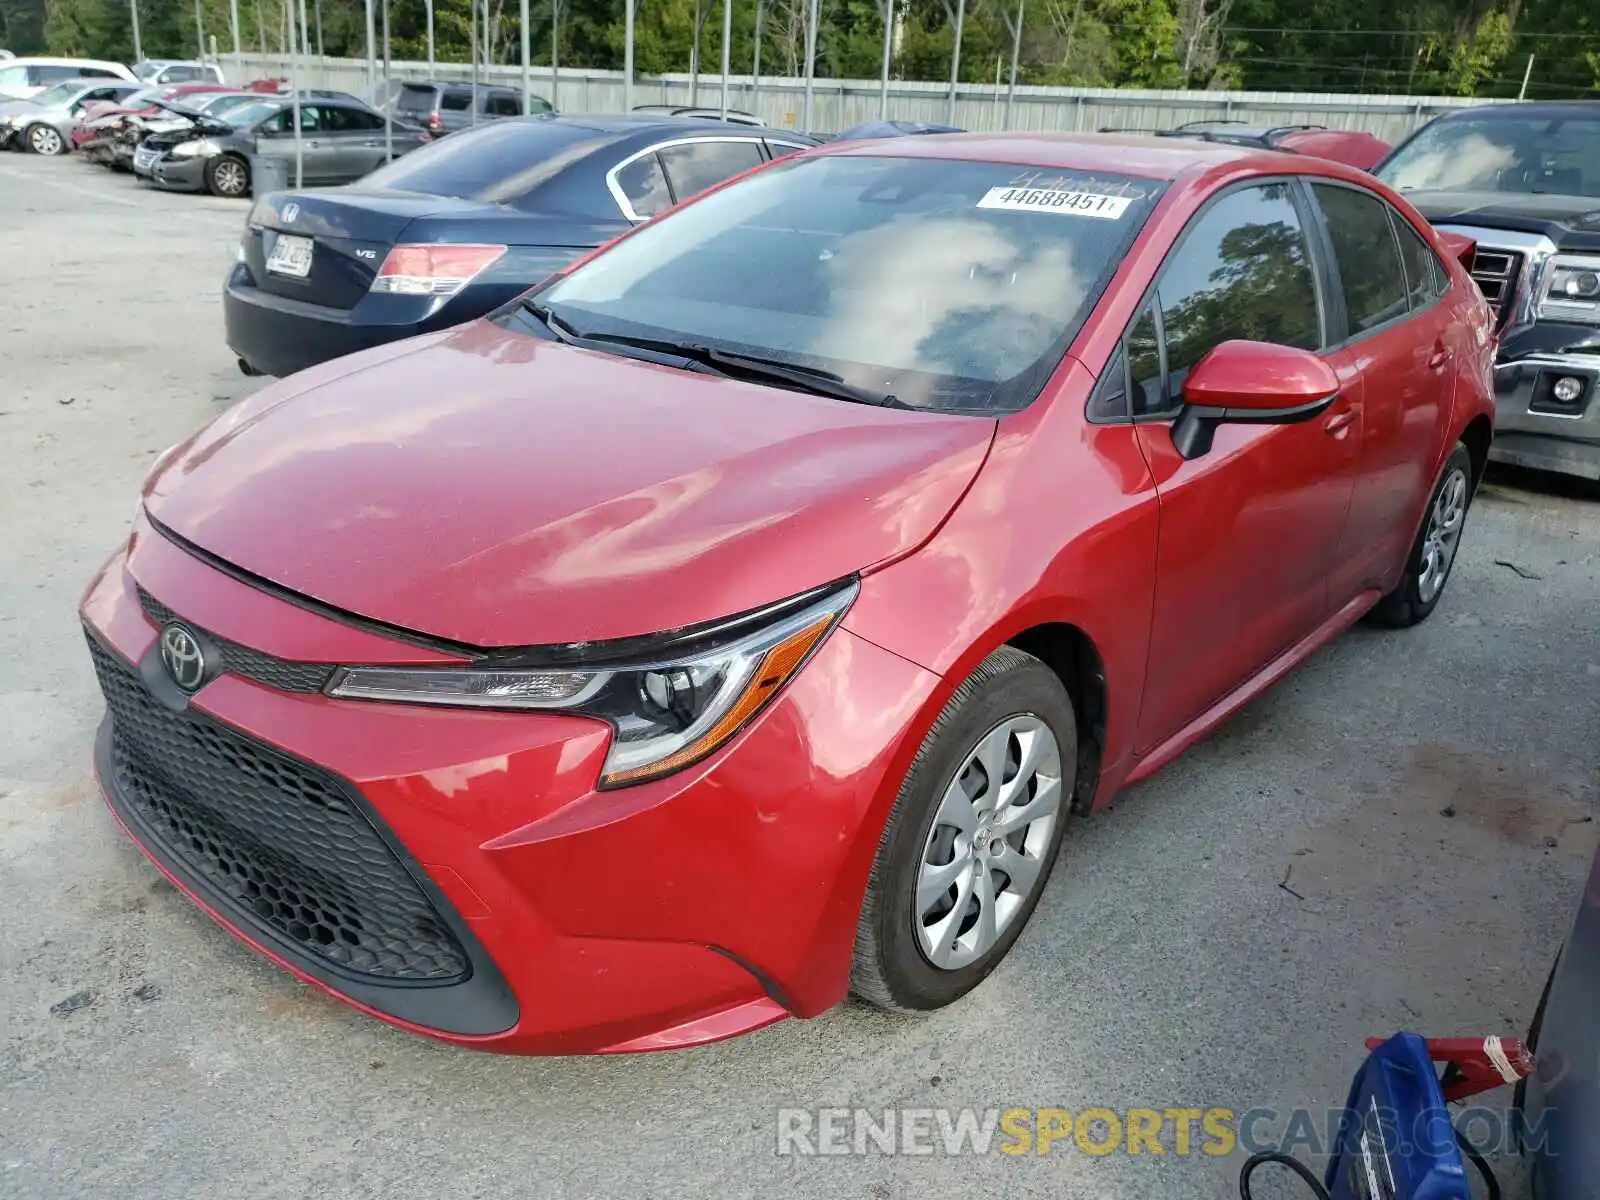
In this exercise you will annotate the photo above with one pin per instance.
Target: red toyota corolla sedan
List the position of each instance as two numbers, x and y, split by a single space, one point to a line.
739 617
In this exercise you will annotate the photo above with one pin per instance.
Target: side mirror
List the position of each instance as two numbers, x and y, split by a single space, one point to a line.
1250 383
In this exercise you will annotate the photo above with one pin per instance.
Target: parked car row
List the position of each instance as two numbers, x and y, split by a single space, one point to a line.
460 227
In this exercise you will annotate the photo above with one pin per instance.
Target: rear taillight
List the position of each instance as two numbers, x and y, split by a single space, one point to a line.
424 270
435 122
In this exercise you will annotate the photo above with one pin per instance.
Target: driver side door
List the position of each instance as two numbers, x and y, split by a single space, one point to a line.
1249 530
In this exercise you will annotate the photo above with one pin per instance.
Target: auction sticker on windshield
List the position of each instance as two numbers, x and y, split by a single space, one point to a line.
1078 204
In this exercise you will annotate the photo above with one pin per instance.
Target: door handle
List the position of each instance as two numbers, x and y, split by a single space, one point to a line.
1440 356
1338 422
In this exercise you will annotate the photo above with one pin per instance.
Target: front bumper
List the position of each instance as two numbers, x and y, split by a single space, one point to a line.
1535 429
179 174
671 913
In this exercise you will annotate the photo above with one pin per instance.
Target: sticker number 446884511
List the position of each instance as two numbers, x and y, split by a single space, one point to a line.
1050 200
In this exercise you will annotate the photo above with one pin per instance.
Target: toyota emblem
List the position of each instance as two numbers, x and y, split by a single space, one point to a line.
290 211
183 657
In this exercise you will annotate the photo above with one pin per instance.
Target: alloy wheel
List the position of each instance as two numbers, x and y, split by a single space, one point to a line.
984 855
1443 535
43 139
230 177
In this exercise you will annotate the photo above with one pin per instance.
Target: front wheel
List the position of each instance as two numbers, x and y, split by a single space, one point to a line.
971 839
228 176
1433 554
46 139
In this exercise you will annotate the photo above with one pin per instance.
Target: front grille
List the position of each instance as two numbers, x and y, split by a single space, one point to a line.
1495 272
277 673
274 842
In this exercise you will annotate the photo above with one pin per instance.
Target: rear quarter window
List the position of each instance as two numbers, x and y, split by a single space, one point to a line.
456 101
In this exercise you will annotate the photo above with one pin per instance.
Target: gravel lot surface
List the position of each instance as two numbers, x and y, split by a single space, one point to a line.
1393 838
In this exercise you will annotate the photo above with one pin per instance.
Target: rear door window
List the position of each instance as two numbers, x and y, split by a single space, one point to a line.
504 106
694 166
1367 255
352 120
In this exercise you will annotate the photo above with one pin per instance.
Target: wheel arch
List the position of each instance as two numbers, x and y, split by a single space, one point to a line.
1477 436
1072 655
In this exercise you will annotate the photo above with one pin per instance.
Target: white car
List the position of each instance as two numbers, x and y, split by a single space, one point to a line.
172 70
24 78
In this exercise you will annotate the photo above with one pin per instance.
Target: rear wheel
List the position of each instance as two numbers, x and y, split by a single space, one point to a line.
971 839
45 139
1433 554
228 175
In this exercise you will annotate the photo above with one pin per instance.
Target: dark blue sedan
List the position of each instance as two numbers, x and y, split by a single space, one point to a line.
459 227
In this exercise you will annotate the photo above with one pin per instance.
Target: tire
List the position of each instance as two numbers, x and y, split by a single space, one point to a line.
44 139
228 176
1013 705
1415 596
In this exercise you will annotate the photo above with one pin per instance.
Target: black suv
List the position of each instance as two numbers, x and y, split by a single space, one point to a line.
446 107
1523 181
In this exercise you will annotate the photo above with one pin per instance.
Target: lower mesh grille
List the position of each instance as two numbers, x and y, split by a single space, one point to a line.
275 841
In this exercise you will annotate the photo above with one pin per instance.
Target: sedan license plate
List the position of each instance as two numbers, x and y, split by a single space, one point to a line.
291 256
144 160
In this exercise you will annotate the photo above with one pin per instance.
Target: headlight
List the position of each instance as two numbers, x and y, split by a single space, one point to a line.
666 711
1573 293
193 149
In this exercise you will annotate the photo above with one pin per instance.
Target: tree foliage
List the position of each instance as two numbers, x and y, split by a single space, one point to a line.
1459 47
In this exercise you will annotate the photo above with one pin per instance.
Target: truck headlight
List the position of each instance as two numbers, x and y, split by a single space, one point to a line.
667 710
1573 293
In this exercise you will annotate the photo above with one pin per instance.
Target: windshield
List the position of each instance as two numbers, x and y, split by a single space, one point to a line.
226 103
247 115
499 162
60 94
1500 153
948 284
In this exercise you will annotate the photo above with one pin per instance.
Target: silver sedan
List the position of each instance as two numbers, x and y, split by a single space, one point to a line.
44 124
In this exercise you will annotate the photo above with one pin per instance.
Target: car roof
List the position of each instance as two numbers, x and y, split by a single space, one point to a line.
1541 108
44 60
622 124
1122 154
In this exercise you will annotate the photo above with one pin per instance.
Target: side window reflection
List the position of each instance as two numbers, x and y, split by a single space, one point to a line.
1242 272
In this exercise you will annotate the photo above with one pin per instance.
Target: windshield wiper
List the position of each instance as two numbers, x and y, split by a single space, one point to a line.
556 325
651 351
811 379
722 362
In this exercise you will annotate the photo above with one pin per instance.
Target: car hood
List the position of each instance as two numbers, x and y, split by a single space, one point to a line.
495 489
1571 222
